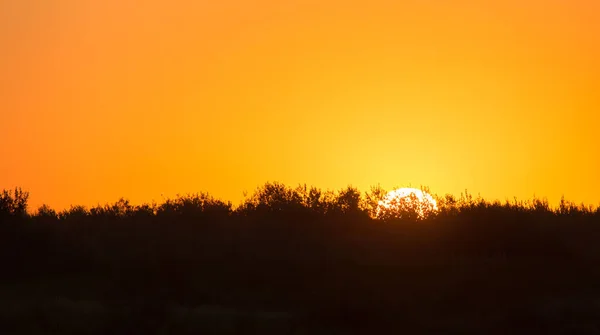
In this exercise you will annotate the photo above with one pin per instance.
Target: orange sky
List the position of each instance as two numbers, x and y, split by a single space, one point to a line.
103 99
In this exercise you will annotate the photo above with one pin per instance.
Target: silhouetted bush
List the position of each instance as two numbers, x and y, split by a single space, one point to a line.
194 206
13 203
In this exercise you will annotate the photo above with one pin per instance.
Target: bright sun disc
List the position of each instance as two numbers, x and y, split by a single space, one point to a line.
405 202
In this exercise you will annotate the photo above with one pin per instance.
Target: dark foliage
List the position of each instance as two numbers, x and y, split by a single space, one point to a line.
318 255
13 203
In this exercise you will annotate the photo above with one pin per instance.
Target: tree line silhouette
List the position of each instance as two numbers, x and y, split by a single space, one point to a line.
321 253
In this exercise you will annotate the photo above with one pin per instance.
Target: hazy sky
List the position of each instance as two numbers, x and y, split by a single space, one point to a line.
111 98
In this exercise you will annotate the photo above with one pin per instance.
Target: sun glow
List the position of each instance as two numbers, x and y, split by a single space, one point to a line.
406 202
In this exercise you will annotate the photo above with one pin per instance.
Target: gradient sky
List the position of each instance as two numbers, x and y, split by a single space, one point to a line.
143 98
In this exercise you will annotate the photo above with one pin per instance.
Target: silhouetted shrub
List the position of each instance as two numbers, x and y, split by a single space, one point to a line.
194 207
272 197
120 209
13 203
74 213
45 211
349 202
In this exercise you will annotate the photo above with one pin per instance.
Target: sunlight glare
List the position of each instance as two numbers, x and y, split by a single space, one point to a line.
397 203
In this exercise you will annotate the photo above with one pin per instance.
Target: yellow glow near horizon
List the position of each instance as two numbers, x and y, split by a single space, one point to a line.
147 99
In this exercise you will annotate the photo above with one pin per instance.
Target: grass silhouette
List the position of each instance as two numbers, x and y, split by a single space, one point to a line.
299 261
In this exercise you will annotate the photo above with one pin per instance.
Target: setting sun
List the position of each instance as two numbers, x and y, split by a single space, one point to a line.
404 202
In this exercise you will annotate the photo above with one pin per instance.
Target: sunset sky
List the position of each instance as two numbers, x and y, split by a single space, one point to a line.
146 98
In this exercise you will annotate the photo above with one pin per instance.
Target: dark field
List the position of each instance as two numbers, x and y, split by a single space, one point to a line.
299 261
